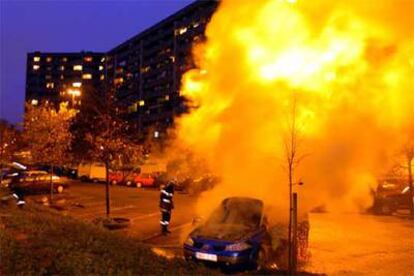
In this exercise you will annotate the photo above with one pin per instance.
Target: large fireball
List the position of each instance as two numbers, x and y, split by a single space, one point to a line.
343 70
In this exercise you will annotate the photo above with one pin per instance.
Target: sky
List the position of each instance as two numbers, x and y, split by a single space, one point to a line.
65 26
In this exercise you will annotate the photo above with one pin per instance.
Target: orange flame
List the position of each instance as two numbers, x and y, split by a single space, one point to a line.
346 65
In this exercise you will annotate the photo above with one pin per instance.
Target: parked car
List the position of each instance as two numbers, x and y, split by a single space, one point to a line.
34 182
139 180
237 233
390 196
92 171
116 177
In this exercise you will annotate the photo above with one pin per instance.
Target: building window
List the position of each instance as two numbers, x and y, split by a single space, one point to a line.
145 69
141 103
88 59
100 67
36 59
34 102
87 76
76 84
62 68
119 80
49 59
36 67
102 77
48 77
50 85
103 59
167 97
64 59
77 67
182 31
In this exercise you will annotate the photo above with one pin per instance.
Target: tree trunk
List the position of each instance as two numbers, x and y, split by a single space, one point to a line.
290 220
294 232
107 188
51 184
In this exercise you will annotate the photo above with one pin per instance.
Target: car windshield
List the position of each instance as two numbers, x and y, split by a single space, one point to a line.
237 211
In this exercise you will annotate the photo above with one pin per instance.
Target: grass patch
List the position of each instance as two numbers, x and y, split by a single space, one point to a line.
37 240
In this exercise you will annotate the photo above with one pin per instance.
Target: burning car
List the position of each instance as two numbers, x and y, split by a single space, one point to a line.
391 195
236 233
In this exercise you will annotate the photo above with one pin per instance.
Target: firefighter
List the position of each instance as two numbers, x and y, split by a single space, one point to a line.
166 206
18 194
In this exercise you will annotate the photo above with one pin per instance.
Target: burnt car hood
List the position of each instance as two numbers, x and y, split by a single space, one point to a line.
225 232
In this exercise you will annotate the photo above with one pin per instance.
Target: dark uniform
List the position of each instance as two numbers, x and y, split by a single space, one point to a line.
166 206
18 194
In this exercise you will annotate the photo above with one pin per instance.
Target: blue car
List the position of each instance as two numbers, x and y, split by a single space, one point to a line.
235 234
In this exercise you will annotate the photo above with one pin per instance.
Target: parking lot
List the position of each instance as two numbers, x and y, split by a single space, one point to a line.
340 244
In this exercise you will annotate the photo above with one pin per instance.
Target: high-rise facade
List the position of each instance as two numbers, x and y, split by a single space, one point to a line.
143 72
57 77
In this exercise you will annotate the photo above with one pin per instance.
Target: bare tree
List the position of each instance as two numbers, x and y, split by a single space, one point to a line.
293 157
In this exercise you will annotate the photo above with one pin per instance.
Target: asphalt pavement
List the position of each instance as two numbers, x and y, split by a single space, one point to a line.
340 244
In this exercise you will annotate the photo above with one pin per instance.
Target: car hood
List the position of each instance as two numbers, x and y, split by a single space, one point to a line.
226 232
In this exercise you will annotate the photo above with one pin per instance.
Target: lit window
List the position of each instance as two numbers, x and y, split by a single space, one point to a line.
196 24
34 102
76 84
100 67
36 67
49 59
182 30
77 67
62 68
172 58
141 103
145 69
102 77
87 76
103 59
48 77
119 80
36 59
62 77
156 134
64 59
88 59
167 97
50 85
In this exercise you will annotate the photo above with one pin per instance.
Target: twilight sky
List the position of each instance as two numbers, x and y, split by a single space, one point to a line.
65 26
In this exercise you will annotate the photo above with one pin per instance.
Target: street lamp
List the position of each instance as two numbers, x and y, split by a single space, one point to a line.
74 93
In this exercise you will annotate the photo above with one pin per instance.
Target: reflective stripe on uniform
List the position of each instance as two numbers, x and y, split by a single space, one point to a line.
166 193
15 196
166 200
164 222
21 202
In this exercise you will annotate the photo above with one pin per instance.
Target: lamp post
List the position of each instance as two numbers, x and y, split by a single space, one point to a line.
74 93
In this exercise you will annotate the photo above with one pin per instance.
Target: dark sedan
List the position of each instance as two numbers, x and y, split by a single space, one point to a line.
36 182
236 233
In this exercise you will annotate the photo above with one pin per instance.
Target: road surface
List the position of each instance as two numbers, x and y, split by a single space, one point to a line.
340 244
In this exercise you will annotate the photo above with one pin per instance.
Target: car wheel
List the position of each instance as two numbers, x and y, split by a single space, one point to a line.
139 185
60 189
386 209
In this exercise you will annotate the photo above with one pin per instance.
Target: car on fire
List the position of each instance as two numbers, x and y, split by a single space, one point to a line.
237 234
391 195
